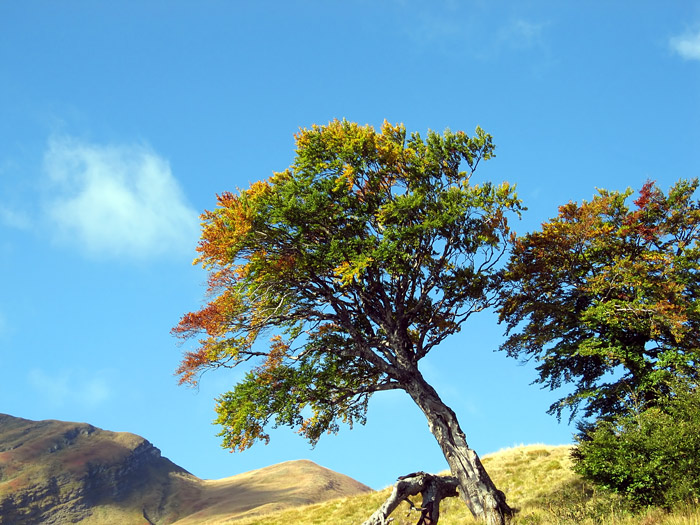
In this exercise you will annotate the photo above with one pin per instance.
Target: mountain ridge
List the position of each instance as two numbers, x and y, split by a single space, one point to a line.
54 472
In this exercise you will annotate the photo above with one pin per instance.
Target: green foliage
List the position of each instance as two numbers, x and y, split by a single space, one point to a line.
650 457
605 297
359 259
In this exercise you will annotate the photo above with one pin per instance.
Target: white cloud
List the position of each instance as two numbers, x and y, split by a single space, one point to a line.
116 201
687 45
71 387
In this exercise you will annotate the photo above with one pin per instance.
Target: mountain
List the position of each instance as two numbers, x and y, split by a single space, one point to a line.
56 472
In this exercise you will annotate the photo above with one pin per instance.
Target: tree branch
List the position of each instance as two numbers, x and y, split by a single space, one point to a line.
433 488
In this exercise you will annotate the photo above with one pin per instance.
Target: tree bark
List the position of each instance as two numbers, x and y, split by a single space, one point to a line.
433 488
484 500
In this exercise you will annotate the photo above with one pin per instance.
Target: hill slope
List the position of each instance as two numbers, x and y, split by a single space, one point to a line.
293 483
54 472
532 476
537 480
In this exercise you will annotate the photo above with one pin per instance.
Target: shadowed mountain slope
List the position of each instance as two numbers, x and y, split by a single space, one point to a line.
54 472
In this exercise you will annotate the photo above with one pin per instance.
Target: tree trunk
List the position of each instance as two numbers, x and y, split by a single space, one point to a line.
484 500
433 488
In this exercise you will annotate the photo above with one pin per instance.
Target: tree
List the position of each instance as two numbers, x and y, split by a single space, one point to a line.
648 457
605 297
359 259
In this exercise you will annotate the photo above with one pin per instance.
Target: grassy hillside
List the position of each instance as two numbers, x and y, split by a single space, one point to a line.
55 472
288 484
537 480
263 491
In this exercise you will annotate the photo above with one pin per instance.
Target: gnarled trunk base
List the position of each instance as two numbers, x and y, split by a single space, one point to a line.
484 500
433 488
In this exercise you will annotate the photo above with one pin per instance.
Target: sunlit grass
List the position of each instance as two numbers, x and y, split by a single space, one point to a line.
538 482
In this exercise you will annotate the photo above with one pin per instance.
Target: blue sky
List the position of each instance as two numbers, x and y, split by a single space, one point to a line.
121 121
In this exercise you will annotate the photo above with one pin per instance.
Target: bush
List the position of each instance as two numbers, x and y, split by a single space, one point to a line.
649 458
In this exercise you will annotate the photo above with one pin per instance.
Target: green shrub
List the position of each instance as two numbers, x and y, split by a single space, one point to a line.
649 458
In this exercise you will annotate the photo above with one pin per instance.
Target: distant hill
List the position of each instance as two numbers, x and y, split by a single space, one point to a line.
537 480
55 472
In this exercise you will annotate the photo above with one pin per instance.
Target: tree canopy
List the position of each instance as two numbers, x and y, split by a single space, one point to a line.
353 264
605 296
364 255
649 457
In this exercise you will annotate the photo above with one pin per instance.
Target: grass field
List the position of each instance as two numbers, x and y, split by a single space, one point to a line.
537 480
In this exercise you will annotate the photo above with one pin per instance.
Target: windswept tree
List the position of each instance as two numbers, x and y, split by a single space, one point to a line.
606 296
335 277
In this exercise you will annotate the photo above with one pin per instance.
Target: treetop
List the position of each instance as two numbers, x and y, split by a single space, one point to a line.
361 257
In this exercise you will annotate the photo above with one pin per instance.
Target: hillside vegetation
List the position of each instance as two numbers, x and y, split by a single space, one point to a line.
56 472
537 479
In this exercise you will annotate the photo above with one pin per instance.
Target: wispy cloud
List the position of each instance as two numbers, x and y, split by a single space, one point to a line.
14 218
687 45
476 32
116 200
68 387
521 34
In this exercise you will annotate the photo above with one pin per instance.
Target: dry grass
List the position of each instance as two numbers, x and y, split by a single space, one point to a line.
50 463
268 490
537 480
